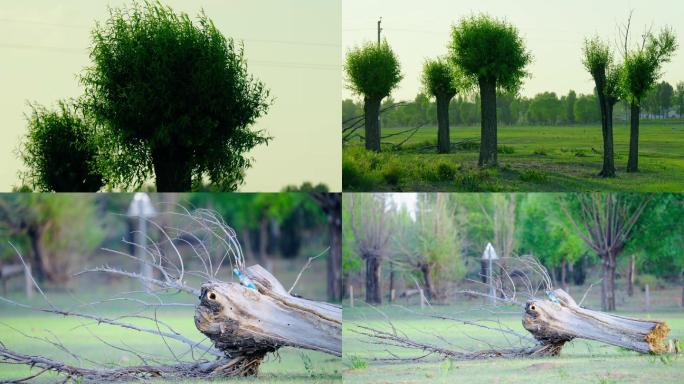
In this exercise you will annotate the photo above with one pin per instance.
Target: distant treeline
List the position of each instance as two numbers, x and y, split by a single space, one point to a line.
546 108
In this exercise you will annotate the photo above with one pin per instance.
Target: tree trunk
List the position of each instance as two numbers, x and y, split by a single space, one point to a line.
371 109
391 282
246 324
34 235
263 244
488 151
608 169
633 161
427 280
630 276
335 287
555 324
172 170
564 275
608 282
443 139
373 289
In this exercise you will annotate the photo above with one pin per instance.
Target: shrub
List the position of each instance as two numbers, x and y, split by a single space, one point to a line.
446 171
357 362
533 176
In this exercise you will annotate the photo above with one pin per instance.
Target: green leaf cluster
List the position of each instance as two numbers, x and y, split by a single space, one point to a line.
373 70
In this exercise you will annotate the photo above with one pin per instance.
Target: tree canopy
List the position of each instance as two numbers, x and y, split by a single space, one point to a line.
60 151
488 48
173 96
373 70
440 78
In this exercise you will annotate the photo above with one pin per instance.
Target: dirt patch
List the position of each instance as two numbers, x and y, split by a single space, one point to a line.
543 366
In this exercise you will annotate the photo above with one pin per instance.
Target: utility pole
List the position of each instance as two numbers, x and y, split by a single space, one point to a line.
379 29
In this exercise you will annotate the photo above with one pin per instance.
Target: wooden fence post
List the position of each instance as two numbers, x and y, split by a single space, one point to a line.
351 296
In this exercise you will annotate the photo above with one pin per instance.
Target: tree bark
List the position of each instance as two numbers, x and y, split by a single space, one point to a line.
427 280
335 257
564 275
443 139
371 109
557 323
633 161
373 289
488 150
172 170
608 282
608 169
263 244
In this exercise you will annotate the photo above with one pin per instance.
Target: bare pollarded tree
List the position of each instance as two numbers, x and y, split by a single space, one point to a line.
371 227
241 321
605 221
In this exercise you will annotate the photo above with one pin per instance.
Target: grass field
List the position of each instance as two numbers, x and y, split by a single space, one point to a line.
531 158
289 365
580 361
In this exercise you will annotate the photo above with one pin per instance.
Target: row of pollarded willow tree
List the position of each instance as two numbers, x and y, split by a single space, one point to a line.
489 54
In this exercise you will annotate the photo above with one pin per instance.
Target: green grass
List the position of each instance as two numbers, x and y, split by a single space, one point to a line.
531 158
580 362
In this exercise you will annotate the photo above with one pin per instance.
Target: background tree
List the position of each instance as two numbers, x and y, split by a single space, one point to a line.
570 101
598 60
430 243
371 230
492 52
59 230
60 151
372 71
173 97
679 99
441 80
331 204
605 222
665 96
642 68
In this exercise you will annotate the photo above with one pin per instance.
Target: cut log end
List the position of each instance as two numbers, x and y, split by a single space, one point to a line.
656 339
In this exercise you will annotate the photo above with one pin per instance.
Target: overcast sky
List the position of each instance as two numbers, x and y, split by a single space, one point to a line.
293 46
553 31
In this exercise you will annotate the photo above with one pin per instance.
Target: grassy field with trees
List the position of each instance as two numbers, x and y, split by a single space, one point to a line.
427 306
548 142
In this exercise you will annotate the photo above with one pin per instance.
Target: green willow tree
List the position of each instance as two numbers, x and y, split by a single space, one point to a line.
442 81
60 151
173 97
642 70
598 60
492 52
373 70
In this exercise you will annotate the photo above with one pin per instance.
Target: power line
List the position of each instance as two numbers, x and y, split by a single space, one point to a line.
282 64
268 41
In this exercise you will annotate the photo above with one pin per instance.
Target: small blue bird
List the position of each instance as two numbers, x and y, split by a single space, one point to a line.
244 280
552 297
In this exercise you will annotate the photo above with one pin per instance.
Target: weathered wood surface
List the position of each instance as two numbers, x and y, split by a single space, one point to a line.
242 321
556 323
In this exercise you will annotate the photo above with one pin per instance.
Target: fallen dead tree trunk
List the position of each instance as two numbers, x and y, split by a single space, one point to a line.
555 322
552 321
248 323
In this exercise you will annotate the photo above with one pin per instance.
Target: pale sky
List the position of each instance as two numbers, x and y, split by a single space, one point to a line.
553 30
407 200
293 46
